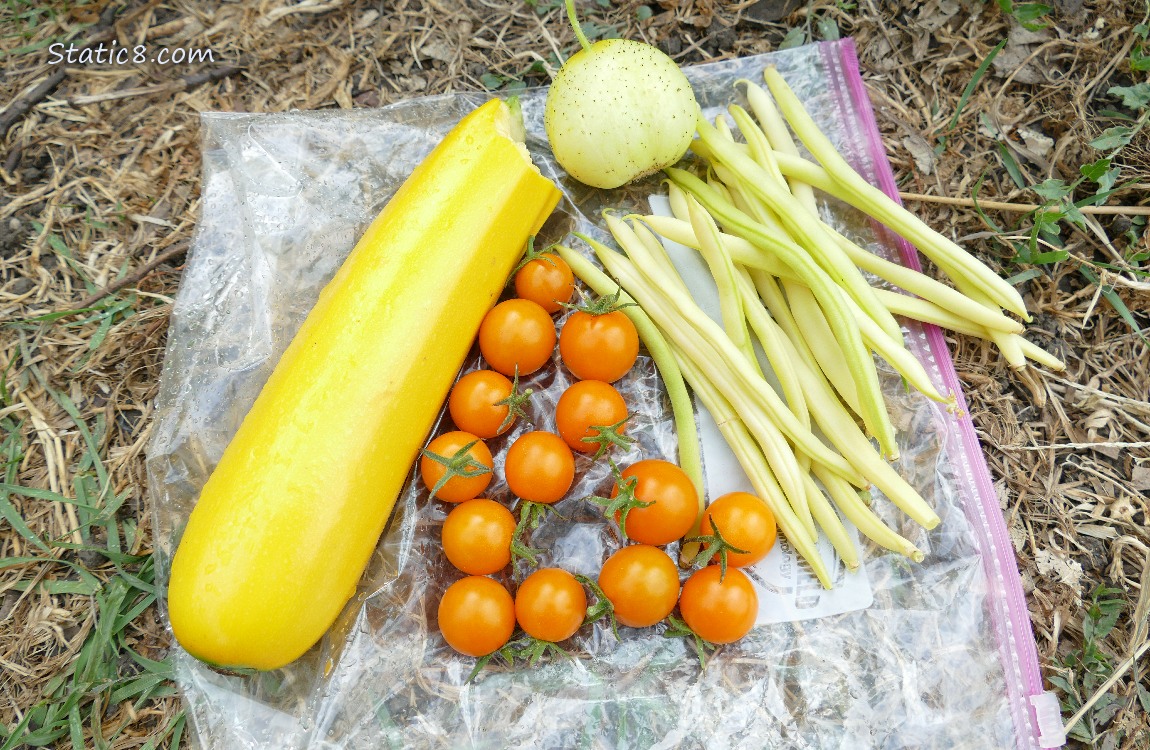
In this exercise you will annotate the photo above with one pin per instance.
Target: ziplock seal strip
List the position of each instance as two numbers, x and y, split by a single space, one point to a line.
1017 646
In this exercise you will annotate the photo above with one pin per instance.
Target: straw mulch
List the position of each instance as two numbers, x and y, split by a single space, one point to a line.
99 172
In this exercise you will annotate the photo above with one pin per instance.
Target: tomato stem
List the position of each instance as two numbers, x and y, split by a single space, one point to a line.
514 402
526 647
530 515
714 544
547 255
676 628
533 649
507 651
602 606
607 435
460 464
624 501
601 305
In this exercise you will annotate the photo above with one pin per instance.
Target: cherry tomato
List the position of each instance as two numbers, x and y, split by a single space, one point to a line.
547 281
745 522
477 536
539 467
642 583
585 404
517 332
458 488
474 403
675 502
598 347
719 611
550 605
476 616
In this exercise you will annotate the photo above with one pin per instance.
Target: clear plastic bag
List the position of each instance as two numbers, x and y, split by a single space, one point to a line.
943 657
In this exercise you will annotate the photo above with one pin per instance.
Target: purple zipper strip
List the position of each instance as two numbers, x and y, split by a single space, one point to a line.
1007 602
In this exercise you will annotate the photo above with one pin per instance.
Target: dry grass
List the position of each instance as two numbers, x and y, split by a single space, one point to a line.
100 180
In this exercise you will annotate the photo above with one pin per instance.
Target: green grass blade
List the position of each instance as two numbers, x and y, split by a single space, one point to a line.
76 728
122 558
9 513
1027 275
17 735
176 727
153 666
56 587
94 663
9 562
93 453
978 208
973 84
41 494
1116 302
1011 166
137 689
136 610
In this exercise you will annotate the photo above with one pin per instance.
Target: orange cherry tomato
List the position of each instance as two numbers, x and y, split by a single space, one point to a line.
719 611
474 403
447 447
675 502
587 404
540 467
476 616
550 605
477 536
517 333
547 281
598 347
642 583
745 522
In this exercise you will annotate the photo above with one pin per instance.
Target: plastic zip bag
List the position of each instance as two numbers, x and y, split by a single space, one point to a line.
944 657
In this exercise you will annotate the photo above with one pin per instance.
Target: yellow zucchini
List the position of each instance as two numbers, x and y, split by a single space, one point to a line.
285 525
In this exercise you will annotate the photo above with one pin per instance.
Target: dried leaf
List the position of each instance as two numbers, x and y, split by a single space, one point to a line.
1054 565
924 157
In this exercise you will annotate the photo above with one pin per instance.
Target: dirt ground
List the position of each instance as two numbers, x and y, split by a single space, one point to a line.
100 171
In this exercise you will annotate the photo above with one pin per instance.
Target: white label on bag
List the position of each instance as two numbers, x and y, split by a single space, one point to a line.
788 590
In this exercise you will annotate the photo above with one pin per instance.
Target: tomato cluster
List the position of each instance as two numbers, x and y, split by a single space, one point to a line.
653 502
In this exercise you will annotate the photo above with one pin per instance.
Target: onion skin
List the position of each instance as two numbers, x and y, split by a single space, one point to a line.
617 111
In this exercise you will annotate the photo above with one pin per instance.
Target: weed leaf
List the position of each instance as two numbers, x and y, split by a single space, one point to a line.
1112 138
1134 97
